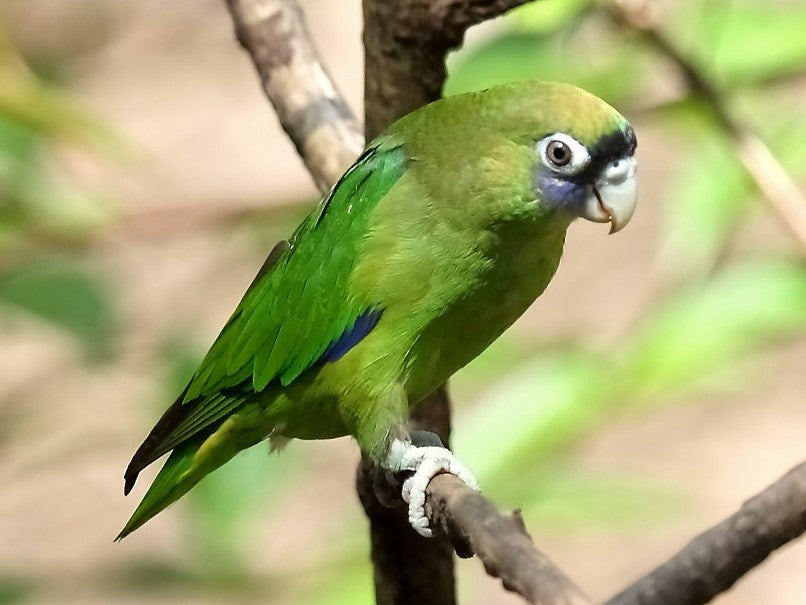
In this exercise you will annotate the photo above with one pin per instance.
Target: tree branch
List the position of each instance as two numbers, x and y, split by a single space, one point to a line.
406 42
311 111
713 561
408 568
501 542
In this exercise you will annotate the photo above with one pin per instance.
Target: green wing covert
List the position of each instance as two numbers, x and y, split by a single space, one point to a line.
295 309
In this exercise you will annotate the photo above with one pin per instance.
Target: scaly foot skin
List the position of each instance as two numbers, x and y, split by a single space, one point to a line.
426 462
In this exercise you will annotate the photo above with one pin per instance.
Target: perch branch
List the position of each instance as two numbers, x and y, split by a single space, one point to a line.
501 542
310 109
777 187
713 561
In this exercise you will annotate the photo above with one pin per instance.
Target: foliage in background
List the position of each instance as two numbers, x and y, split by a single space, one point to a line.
44 217
695 338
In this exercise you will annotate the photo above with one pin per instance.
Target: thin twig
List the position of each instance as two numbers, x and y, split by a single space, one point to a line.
779 190
713 561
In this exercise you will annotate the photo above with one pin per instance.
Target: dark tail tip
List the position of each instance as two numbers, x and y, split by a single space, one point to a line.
141 459
124 532
129 478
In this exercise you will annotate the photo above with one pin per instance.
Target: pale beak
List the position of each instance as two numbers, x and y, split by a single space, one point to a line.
613 196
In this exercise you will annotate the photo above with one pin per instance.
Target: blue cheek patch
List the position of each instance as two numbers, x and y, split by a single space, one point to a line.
339 347
558 192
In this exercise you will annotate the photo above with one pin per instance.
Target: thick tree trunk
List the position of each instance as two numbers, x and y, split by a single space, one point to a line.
409 568
405 45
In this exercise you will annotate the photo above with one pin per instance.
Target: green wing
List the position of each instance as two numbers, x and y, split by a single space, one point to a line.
295 308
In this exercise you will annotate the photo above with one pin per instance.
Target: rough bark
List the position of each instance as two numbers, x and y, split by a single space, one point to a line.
407 567
501 542
405 45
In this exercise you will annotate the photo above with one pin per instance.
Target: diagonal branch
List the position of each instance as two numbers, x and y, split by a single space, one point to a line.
501 542
311 111
716 559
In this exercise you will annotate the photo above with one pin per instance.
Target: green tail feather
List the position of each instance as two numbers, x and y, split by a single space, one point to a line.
181 472
192 460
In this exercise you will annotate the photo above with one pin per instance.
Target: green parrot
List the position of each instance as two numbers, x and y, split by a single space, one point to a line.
444 231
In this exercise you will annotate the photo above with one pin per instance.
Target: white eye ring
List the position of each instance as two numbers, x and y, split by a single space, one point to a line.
548 146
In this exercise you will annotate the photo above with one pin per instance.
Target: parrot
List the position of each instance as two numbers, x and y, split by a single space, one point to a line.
441 234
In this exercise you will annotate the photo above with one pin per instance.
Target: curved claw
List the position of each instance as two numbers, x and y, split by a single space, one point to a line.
426 463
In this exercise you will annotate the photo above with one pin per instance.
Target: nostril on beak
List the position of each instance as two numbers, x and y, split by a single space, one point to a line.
619 170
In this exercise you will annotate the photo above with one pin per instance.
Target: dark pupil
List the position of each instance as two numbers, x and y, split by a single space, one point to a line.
559 153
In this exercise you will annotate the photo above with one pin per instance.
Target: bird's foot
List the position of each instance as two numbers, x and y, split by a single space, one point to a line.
425 462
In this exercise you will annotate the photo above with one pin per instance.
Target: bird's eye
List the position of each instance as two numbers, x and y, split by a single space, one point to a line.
562 153
559 153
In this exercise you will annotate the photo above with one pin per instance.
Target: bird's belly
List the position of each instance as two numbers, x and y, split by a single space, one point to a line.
346 396
307 410
472 323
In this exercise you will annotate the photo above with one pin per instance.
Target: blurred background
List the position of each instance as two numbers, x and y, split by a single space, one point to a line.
657 384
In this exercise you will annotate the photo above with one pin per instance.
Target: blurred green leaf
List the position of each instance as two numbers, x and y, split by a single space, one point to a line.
67 296
711 195
31 102
180 360
785 136
153 575
534 411
18 165
14 590
17 141
744 42
511 57
346 582
499 358
34 196
706 326
613 71
562 496
547 15
59 211
225 505
552 400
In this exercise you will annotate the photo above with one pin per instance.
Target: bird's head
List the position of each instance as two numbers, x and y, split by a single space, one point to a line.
594 181
526 149
584 157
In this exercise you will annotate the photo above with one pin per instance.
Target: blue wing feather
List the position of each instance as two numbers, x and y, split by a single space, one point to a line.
363 325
